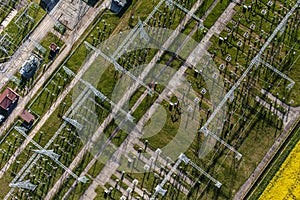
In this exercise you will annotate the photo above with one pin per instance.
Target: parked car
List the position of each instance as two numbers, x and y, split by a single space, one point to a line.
2 118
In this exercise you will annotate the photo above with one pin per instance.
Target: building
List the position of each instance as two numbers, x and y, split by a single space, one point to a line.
48 5
54 49
8 100
117 5
27 118
29 67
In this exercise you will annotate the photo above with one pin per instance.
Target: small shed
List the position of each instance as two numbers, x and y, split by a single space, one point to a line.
27 117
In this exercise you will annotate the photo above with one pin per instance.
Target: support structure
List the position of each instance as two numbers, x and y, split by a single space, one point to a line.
99 94
50 154
37 45
217 183
5 43
289 86
170 3
118 66
24 185
133 34
208 132
254 62
73 122
35 157
143 33
24 14
159 188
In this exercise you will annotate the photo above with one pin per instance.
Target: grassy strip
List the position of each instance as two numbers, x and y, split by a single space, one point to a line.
275 164
17 34
215 13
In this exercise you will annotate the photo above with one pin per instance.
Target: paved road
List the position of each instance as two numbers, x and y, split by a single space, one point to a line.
86 21
111 167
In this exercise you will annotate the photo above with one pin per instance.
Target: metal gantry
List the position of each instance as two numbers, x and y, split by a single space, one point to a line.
182 157
133 34
100 94
73 122
254 62
50 154
217 183
24 185
37 45
26 16
143 33
4 42
170 3
289 86
118 66
35 157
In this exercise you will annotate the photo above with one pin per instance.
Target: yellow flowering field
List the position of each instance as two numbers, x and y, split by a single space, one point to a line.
286 182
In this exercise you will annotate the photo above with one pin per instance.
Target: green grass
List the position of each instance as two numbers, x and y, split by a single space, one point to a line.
215 13
275 164
5 10
203 8
17 35
167 133
144 106
49 39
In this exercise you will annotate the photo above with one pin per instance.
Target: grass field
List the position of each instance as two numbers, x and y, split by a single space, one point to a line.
286 179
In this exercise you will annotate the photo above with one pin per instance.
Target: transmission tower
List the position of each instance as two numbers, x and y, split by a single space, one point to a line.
172 3
24 185
254 62
73 122
159 188
50 154
143 33
100 94
118 66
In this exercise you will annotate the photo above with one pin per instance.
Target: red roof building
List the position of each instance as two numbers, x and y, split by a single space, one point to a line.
27 116
8 98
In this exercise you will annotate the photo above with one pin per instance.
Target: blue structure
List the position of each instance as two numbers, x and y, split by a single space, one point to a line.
117 5
29 67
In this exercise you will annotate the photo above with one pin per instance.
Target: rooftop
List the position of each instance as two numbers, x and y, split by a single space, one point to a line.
7 98
27 116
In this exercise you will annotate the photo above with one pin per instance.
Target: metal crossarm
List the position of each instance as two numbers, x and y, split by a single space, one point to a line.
100 94
254 62
24 185
158 189
73 122
22 131
37 45
143 33
289 86
208 132
217 183
188 12
118 66
182 157
50 154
